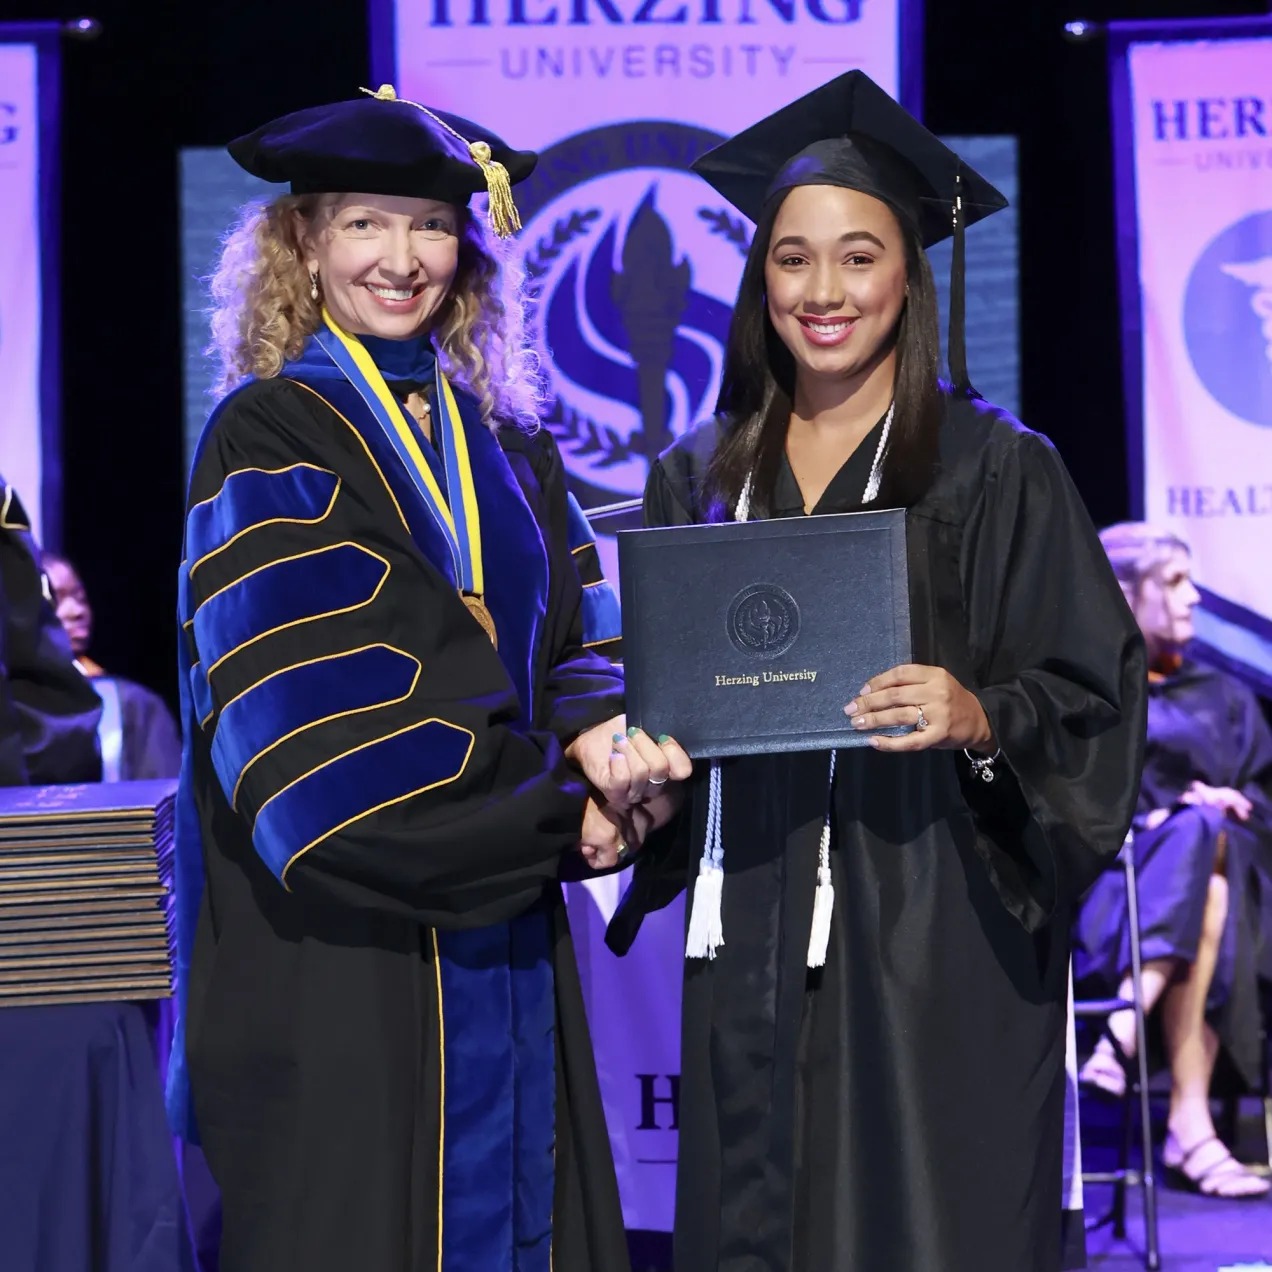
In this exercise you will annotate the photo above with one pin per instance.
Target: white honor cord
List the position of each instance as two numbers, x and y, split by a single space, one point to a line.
706 924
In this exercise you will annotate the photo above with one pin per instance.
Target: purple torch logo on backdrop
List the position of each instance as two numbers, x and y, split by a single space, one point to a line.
1228 318
633 265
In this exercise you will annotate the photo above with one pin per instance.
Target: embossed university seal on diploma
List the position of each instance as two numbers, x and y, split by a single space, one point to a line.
800 610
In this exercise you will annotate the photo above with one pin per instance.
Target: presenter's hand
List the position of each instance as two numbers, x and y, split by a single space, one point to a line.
610 836
942 713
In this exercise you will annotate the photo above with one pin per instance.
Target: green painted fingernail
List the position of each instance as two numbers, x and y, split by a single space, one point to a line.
633 731
618 737
664 738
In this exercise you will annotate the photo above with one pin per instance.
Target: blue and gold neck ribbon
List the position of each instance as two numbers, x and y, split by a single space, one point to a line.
459 520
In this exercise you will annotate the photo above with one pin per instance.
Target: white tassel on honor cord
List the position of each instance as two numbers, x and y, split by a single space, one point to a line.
706 923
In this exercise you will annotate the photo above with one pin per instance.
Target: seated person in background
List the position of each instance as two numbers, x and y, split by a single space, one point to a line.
1204 823
139 738
48 712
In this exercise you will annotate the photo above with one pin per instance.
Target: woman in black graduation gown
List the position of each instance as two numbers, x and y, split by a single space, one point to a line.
1203 854
889 1094
384 678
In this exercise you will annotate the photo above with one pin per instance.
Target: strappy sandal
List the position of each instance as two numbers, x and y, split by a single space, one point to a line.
1224 1169
1097 1078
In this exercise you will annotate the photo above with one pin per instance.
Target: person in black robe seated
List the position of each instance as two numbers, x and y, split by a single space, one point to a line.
139 738
387 680
883 1086
48 712
1203 841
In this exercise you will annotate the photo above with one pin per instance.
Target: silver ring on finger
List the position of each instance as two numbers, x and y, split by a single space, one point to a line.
658 781
622 849
922 722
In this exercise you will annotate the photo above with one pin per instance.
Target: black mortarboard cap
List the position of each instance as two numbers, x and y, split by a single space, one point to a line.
850 133
380 144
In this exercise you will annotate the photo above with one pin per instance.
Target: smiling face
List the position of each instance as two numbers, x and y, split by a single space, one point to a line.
385 264
836 280
71 603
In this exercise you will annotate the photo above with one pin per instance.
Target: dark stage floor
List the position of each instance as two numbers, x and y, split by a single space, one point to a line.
1196 1234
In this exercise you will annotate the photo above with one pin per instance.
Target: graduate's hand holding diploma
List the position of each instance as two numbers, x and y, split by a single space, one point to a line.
940 711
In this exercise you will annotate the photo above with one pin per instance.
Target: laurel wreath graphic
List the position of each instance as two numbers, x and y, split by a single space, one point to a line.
540 258
583 437
730 228
578 435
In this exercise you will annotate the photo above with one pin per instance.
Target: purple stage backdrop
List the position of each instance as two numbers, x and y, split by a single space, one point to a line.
29 369
1193 118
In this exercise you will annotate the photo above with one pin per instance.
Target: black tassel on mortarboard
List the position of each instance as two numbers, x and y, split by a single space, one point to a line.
957 350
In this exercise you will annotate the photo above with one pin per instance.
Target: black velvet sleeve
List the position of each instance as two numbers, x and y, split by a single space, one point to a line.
358 720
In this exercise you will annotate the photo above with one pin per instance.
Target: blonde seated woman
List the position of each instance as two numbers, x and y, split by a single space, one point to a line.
389 707
1203 837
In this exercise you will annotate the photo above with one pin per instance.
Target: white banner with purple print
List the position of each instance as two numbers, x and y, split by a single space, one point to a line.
20 275
1193 115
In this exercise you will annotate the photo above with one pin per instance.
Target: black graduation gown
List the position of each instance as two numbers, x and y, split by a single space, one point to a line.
364 1039
903 1107
48 711
1202 726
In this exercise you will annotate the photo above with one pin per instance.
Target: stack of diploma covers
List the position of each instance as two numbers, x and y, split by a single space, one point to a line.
84 883
751 638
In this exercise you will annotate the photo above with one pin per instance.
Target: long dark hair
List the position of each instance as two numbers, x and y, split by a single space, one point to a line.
758 388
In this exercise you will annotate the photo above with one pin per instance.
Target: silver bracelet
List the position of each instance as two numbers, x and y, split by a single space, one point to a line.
983 765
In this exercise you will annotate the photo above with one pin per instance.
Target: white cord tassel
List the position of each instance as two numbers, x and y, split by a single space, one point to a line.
706 924
824 899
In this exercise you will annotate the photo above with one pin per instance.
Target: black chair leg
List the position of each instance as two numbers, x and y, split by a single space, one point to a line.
1123 1165
1137 1096
1152 1256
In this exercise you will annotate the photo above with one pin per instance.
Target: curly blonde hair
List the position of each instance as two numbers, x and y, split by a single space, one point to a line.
263 310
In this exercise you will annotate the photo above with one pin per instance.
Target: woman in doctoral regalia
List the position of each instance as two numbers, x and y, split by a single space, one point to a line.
384 679
1203 856
873 1067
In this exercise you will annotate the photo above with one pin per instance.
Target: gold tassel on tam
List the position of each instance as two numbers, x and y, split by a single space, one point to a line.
504 218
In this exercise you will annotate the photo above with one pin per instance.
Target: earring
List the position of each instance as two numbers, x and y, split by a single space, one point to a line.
313 283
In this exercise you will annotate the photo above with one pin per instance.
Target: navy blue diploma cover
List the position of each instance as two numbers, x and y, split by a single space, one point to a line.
747 638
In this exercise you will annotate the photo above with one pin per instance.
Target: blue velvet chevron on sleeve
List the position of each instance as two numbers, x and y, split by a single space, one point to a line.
602 620
300 710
